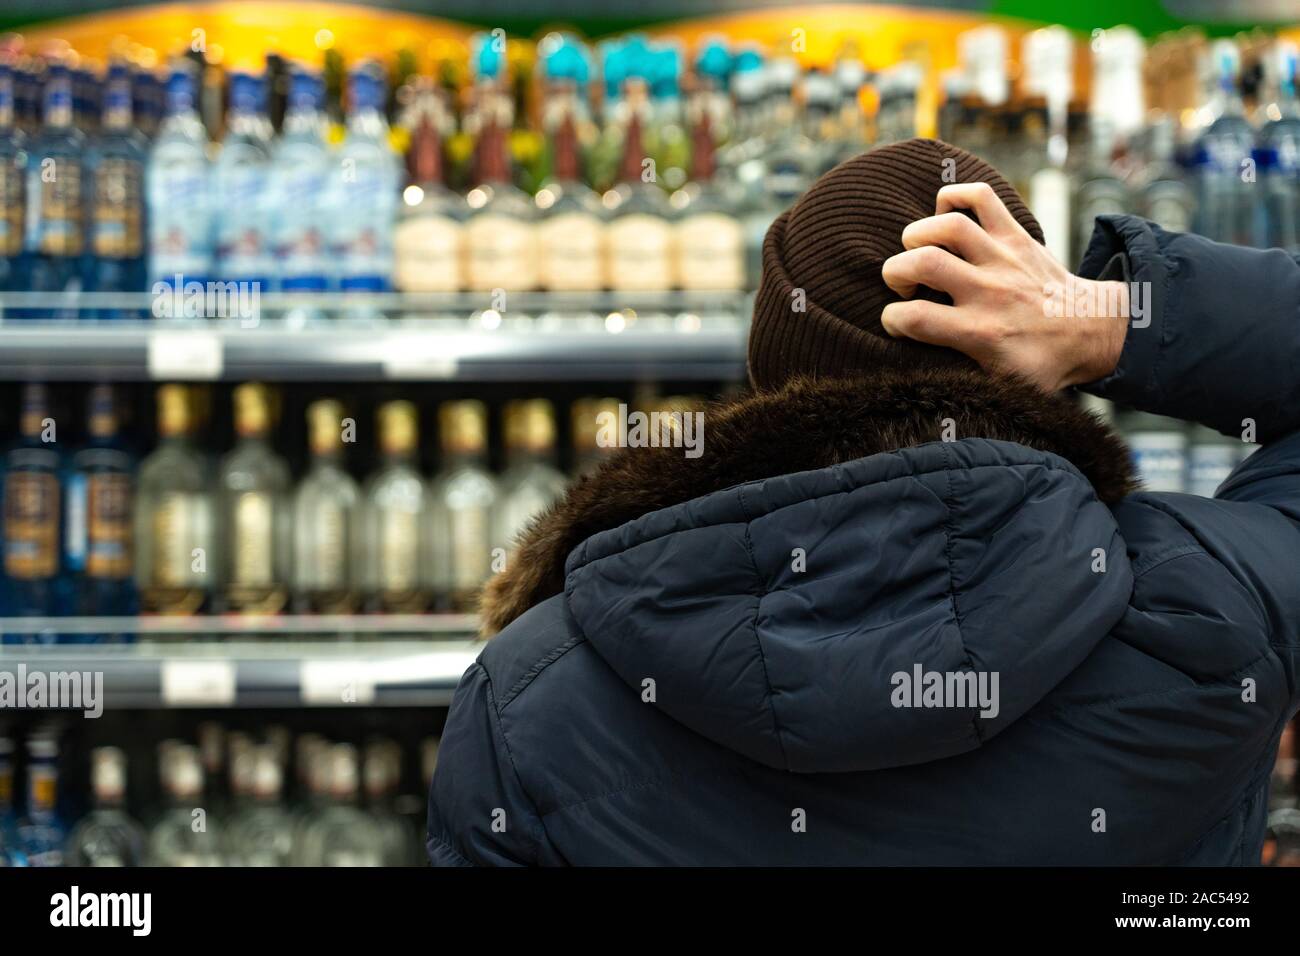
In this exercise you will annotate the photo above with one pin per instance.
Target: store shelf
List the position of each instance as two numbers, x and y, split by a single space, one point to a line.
380 337
330 661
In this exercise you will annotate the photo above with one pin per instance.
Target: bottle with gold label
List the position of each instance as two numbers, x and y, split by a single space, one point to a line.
639 237
500 235
253 512
394 556
13 170
97 514
464 496
174 563
34 582
571 236
427 241
709 242
590 421
116 195
326 518
531 482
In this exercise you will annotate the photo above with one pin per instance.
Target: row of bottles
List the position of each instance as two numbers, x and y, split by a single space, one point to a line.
93 534
234 799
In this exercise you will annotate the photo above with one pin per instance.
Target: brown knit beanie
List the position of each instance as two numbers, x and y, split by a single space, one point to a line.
821 293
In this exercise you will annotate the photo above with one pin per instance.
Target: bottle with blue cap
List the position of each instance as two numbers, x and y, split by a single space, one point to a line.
117 223
1277 150
177 184
300 170
1226 200
571 235
365 189
13 186
56 195
241 177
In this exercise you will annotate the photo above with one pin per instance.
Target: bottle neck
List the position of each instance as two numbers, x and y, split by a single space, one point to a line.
426 154
703 165
493 158
633 163
566 149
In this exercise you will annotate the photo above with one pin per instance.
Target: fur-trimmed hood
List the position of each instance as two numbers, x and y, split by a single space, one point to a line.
804 426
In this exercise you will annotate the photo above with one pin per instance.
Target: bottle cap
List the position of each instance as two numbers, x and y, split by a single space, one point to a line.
397 427
463 427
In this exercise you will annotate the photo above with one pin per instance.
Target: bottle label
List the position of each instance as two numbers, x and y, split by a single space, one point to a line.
1208 467
117 224
55 216
471 547
323 563
710 252
31 525
178 223
108 526
500 253
640 253
363 228
1160 459
428 254
300 242
399 550
178 528
571 246
11 210
252 541
241 241
42 789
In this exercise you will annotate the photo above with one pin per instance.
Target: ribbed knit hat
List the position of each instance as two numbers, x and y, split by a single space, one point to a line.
821 293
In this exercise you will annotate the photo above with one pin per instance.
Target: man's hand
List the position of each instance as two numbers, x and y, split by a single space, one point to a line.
1002 285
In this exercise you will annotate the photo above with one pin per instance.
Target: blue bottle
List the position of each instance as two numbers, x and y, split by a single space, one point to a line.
11 853
97 518
1222 156
300 172
177 195
1277 153
240 187
41 834
13 188
117 227
365 189
56 196
32 516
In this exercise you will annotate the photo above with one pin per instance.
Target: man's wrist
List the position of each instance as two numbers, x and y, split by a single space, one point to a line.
1100 341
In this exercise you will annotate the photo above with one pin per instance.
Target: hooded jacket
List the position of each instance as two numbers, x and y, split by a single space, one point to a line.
911 619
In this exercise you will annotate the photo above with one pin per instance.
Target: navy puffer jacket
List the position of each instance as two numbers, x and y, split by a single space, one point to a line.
731 669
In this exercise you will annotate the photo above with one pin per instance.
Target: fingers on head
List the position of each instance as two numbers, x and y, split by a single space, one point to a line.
980 199
929 266
954 231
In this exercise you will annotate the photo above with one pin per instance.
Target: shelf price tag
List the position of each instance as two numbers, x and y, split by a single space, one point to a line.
186 355
420 356
334 683
198 683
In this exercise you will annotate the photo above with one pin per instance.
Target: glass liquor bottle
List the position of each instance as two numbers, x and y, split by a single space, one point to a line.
1225 200
571 236
394 555
500 234
56 222
709 243
107 836
173 514
254 511
260 833
1278 152
463 495
300 170
1166 197
639 237
240 177
10 852
177 184
98 514
365 187
33 511
117 242
585 419
381 774
185 834
531 482
326 520
13 187
41 835
340 833
430 227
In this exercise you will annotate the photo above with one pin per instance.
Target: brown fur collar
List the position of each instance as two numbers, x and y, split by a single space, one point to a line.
802 426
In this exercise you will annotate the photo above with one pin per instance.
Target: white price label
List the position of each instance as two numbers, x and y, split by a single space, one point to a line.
332 683
420 357
185 355
198 683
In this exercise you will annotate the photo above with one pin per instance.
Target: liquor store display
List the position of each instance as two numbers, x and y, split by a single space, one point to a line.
290 352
